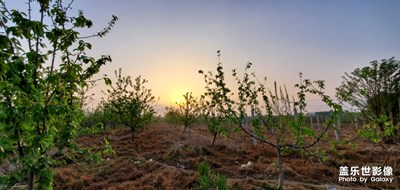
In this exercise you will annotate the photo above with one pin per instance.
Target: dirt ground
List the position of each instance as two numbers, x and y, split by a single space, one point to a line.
162 157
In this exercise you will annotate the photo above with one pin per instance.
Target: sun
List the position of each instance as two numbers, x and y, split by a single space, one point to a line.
179 100
176 96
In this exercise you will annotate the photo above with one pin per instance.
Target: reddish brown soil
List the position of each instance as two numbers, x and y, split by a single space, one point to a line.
161 157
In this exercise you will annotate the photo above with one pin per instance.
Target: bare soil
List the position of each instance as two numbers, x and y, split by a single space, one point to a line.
162 157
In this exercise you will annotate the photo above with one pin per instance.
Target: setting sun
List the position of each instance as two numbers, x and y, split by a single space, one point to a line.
176 96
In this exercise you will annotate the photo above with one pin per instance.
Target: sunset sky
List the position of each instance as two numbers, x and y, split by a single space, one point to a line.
168 41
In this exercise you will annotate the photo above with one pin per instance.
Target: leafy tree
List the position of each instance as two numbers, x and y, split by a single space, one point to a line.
172 116
214 104
277 117
188 110
283 119
42 66
88 120
132 102
375 91
85 97
105 115
98 120
215 122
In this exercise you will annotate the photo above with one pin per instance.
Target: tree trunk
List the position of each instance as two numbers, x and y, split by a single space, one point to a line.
31 179
280 167
215 137
254 130
337 130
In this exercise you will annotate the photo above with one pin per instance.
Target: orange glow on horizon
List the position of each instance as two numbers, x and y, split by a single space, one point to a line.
176 96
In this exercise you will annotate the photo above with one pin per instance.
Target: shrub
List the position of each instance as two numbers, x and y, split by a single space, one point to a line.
208 180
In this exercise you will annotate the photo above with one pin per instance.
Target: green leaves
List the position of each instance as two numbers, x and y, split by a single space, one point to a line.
208 180
107 81
39 105
307 131
81 21
375 91
258 128
131 101
107 151
373 132
216 104
276 120
188 110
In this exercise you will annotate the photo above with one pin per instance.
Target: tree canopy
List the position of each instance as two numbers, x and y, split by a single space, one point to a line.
375 91
132 102
42 67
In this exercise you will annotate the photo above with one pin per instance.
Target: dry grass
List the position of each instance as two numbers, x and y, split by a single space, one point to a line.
163 158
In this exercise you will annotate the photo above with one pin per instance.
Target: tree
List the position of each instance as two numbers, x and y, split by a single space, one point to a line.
279 121
98 119
375 91
132 102
172 116
188 110
215 103
42 66
105 114
216 122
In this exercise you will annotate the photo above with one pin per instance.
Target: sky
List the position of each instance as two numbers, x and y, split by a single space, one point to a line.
168 41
